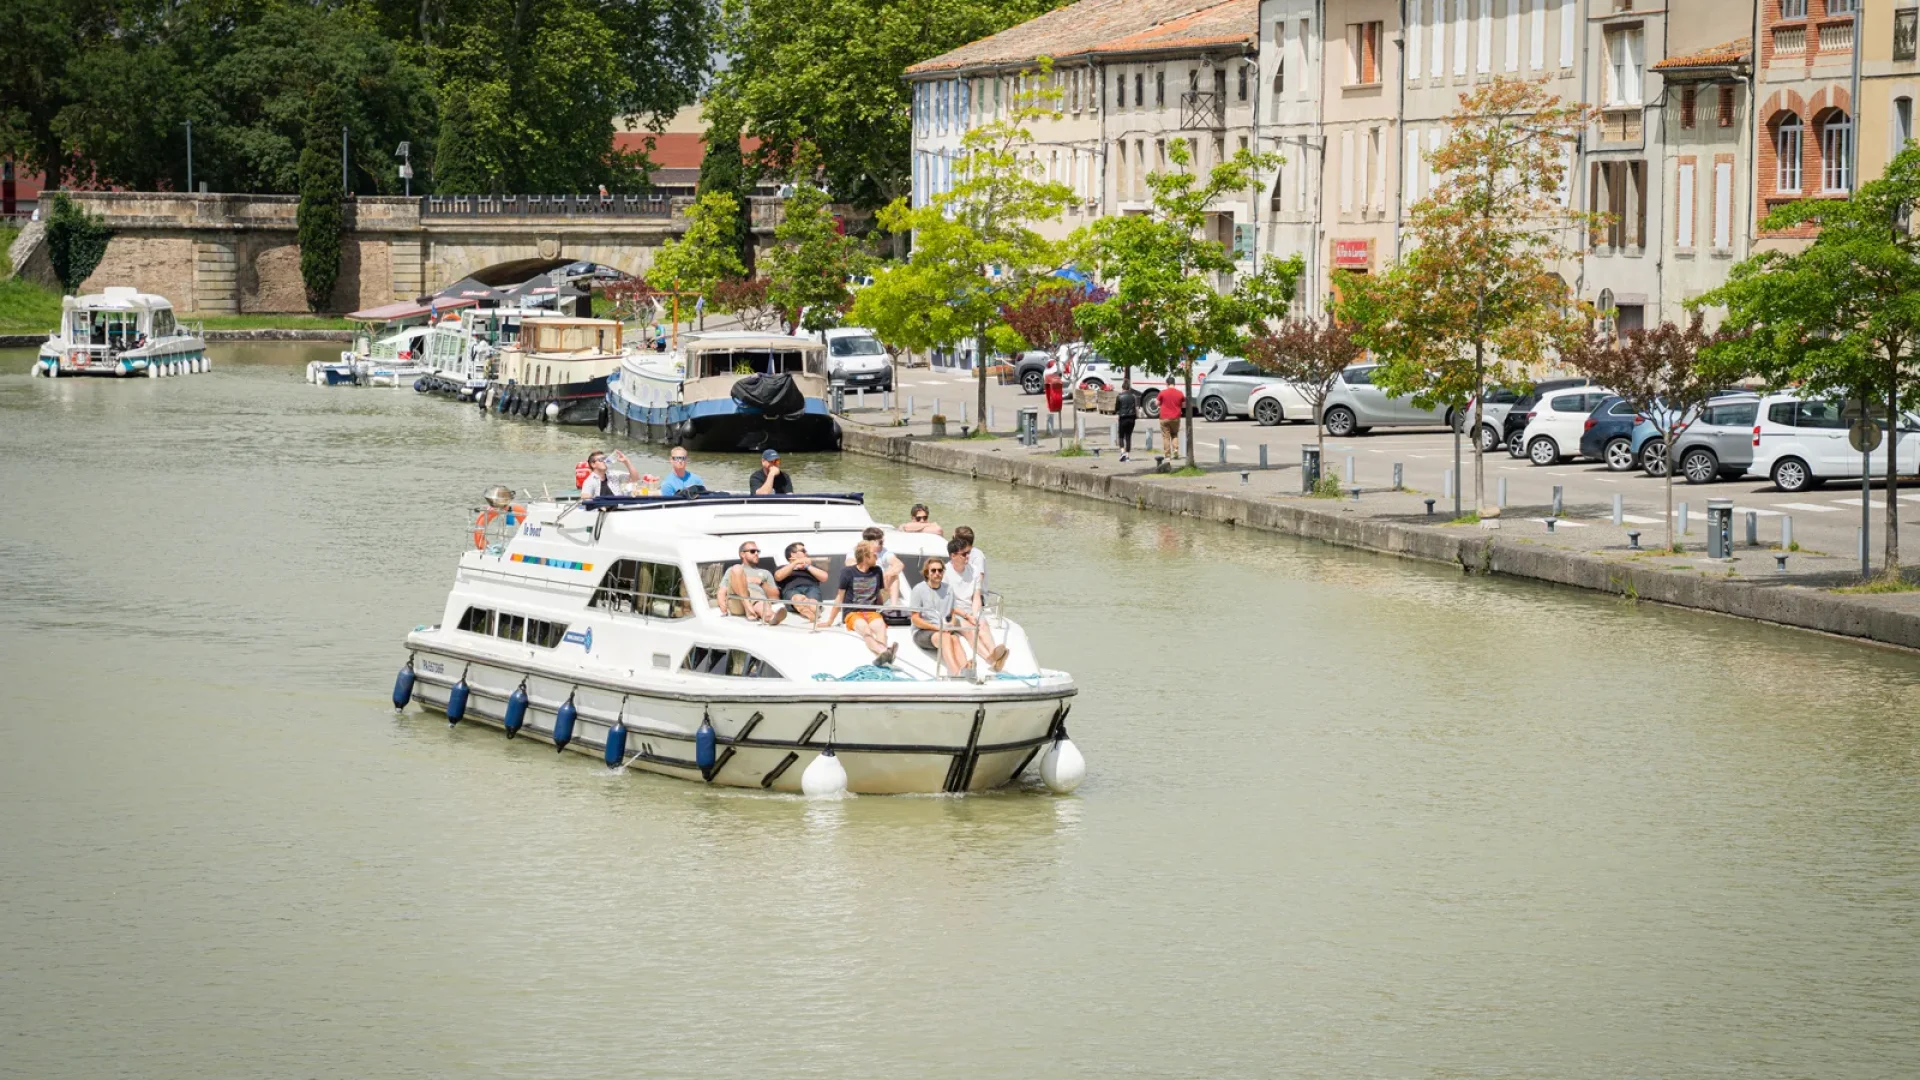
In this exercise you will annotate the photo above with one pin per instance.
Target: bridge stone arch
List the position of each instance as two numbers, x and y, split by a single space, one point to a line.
504 259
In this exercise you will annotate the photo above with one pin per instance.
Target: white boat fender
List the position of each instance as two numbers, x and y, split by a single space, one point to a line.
457 700
703 747
563 724
1062 767
553 410
824 775
403 686
516 710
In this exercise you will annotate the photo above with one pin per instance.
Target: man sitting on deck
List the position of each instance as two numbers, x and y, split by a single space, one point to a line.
934 627
800 579
770 478
860 586
747 589
681 478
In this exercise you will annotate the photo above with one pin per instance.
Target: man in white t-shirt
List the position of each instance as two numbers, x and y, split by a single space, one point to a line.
974 556
935 629
968 580
598 483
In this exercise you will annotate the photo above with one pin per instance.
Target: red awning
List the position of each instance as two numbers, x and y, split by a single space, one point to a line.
406 309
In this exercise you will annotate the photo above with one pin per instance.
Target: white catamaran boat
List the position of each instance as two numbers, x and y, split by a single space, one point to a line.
121 332
592 626
726 391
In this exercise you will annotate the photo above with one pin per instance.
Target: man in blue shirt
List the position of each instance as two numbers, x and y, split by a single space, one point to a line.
680 478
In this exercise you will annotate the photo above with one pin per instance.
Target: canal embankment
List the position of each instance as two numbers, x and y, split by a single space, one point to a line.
1578 547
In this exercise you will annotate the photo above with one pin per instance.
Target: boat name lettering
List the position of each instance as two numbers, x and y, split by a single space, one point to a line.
434 666
532 530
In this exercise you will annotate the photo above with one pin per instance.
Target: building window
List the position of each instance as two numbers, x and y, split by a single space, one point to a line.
1139 90
1686 108
1841 7
1160 89
1905 23
1902 123
1723 115
1619 192
1243 82
1793 9
1836 152
1786 154
1623 66
1363 53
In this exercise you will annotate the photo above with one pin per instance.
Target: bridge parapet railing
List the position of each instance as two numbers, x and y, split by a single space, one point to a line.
571 206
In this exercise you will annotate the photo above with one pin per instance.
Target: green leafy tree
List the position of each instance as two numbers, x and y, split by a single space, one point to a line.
1842 316
1477 302
974 246
828 74
704 256
1171 303
811 261
724 170
39 39
76 242
320 217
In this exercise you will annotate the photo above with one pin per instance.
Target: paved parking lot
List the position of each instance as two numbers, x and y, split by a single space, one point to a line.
1823 520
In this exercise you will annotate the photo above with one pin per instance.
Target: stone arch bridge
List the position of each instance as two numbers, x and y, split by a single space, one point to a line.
239 253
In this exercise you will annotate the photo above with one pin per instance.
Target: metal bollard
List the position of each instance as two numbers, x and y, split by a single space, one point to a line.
1558 505
1633 540
963 412
1551 522
1397 484
909 408
1446 484
1503 493
1223 451
1860 545
1349 468
937 410
1780 563
860 397
1356 494
1753 528
1113 433
1683 519
989 425
1429 503
1149 445
1309 469
1243 477
1619 511
1079 426
1786 531
886 400
1263 455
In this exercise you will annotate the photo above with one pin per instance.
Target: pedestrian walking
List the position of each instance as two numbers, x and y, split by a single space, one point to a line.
1173 405
1126 408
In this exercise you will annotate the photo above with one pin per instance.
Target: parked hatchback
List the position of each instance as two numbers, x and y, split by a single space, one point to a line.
1228 390
1556 422
1608 435
1355 404
1513 425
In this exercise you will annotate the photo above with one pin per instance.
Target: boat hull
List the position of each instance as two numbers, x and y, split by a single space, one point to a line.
175 356
951 743
580 403
724 426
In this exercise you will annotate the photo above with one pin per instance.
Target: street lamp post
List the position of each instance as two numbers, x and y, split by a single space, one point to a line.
189 157
405 154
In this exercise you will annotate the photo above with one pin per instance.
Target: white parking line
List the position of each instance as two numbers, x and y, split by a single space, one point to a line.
1855 501
1811 508
1564 522
1636 519
1757 510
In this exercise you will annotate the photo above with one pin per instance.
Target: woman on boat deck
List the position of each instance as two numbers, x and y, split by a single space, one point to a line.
862 585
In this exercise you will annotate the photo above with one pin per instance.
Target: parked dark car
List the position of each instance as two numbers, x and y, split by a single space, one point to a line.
1609 434
1514 426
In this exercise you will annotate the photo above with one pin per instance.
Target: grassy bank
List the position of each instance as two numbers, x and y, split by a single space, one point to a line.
26 308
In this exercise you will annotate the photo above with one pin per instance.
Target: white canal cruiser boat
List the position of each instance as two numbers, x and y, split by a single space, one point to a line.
592 626
120 333
392 344
726 391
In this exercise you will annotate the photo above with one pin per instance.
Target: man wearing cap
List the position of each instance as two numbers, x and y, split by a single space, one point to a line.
770 479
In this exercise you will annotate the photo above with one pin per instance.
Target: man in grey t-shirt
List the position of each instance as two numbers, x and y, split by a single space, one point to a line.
931 608
748 589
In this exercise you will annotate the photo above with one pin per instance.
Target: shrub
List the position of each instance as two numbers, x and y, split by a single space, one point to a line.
76 242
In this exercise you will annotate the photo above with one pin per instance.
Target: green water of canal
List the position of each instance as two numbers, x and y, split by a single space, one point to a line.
1346 816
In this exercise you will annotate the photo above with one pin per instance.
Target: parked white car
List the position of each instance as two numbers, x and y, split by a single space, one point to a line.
1355 405
1801 443
1271 403
1556 422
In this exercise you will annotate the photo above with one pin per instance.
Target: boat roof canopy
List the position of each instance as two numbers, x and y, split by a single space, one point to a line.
407 309
117 298
741 340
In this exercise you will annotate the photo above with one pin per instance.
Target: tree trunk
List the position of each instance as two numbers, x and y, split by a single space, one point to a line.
1666 451
1479 460
1893 470
980 374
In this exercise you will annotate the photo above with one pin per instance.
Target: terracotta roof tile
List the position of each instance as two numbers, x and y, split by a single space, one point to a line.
1108 27
1732 52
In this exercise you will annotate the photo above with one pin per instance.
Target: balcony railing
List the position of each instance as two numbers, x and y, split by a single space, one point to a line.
1203 109
655 206
1790 41
1836 37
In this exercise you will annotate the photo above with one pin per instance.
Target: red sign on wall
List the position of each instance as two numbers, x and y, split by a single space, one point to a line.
1353 254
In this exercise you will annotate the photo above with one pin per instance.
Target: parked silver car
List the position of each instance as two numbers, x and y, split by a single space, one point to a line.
1355 405
1719 445
1228 389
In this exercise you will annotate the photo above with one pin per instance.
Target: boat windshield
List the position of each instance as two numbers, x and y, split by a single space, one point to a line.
715 362
855 345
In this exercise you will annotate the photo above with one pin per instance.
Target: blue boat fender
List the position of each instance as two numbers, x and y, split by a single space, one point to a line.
403 685
616 745
703 745
563 724
516 709
457 701
420 385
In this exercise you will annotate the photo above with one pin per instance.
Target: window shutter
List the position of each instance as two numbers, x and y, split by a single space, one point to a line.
1411 168
1722 204
1438 63
1459 37
1414 11
1684 209
1483 59
1510 29
1537 36
1567 24
1346 170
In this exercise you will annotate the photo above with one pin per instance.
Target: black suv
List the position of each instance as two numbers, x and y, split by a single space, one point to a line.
1515 424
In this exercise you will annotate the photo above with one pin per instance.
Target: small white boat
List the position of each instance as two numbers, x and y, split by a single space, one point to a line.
726 391
390 346
592 626
120 333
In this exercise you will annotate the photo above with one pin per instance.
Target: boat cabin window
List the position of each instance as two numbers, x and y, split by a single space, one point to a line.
643 588
713 660
163 323
477 621
771 560
573 337
536 632
114 329
712 363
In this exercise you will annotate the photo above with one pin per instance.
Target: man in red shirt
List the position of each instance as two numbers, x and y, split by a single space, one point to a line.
1173 405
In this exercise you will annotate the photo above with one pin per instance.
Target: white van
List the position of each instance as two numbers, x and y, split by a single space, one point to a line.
856 359
1801 442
